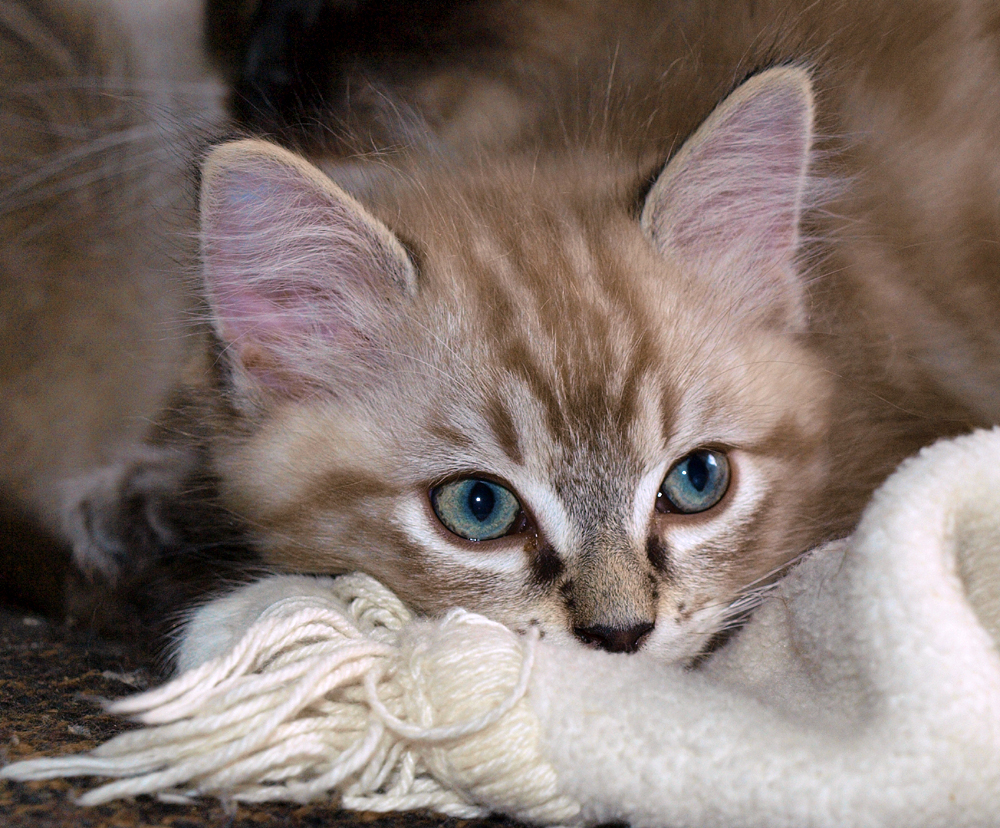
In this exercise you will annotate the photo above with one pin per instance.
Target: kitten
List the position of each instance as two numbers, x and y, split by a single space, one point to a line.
516 416
547 410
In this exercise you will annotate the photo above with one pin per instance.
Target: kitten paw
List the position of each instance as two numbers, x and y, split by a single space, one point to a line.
117 517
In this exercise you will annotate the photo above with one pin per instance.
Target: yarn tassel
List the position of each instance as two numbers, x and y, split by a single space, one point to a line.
340 696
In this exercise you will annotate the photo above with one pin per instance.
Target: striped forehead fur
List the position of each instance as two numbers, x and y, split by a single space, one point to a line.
564 285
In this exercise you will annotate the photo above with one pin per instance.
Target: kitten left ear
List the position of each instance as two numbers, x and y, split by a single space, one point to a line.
728 205
302 280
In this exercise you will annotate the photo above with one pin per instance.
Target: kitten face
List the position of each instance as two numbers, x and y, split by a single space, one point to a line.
541 340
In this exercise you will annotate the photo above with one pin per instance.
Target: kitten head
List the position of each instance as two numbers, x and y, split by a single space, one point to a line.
537 405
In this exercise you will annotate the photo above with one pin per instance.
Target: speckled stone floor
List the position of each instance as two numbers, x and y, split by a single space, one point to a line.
50 681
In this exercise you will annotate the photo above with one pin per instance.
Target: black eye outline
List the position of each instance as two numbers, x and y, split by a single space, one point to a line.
438 495
671 497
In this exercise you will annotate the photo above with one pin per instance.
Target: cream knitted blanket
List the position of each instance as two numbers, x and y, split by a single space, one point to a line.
865 692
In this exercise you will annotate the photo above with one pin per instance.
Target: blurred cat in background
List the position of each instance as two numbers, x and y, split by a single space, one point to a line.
513 362
103 106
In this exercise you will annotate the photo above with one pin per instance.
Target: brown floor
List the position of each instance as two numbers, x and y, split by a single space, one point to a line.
49 678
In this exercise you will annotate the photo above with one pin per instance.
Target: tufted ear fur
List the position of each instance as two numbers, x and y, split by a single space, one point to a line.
728 205
301 279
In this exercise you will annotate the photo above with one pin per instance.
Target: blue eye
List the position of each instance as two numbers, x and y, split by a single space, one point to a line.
475 509
695 483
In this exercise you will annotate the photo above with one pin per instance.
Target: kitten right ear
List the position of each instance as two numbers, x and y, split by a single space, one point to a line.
301 279
728 204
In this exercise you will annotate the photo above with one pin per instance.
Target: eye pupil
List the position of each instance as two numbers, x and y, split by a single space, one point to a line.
697 472
481 501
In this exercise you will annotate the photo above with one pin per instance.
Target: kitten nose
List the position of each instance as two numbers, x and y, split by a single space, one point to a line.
614 639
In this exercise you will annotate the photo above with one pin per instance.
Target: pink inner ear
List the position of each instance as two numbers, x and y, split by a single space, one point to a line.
739 189
294 271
